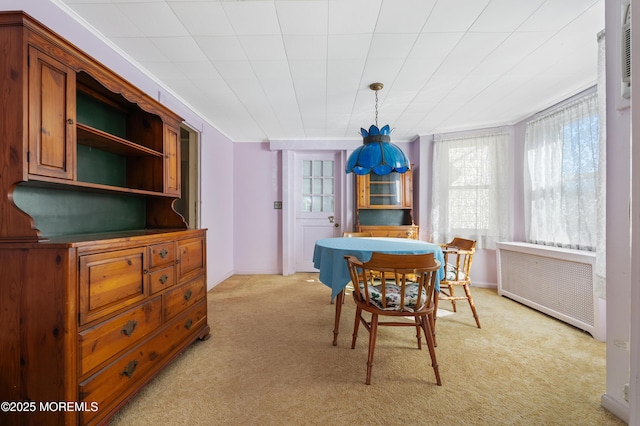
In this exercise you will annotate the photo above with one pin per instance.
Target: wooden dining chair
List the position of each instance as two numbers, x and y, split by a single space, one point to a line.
356 234
393 295
458 255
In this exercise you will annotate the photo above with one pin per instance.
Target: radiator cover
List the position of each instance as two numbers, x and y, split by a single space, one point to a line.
556 281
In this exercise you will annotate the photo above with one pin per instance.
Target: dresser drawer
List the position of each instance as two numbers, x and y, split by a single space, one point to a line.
162 279
122 376
181 298
110 281
162 254
101 342
191 258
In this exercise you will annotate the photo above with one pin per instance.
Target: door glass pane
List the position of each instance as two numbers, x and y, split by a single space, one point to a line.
306 203
306 168
328 187
317 168
327 204
328 168
318 186
316 204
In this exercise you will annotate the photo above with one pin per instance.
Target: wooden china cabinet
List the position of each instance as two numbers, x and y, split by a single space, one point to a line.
102 283
384 205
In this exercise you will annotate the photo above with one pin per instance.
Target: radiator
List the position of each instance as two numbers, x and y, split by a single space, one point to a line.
556 281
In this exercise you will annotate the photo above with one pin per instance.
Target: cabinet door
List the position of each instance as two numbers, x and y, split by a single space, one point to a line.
192 258
52 105
391 191
171 161
111 281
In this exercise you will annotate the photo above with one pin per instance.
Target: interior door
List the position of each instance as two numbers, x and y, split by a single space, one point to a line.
317 197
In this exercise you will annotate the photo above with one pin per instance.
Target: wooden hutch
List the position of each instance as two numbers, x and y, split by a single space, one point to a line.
384 205
103 284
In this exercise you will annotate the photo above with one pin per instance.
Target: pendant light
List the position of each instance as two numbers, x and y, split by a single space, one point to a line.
377 154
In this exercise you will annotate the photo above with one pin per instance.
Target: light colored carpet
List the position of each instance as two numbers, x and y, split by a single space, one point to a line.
270 361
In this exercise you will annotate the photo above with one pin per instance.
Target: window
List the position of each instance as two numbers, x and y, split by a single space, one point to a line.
470 189
562 163
317 186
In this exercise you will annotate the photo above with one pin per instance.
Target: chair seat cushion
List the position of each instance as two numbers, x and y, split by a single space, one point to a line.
451 273
393 296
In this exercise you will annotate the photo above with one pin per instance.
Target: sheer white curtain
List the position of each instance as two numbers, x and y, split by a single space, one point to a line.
470 195
562 159
601 233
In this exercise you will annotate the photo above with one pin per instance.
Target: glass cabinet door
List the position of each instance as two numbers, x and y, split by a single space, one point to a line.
385 190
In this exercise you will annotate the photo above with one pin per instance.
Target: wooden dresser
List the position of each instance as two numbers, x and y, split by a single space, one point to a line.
103 283
384 205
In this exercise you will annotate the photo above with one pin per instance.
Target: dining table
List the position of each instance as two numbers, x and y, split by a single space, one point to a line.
329 253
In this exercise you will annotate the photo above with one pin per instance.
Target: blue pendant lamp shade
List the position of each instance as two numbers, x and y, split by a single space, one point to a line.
377 154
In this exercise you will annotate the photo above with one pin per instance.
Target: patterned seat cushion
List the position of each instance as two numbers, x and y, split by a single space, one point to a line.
452 274
393 296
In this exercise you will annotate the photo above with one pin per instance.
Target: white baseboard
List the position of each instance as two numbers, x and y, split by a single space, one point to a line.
618 409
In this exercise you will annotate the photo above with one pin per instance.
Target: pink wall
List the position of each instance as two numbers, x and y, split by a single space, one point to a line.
256 181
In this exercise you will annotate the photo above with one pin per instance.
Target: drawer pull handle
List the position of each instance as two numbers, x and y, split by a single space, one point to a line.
187 295
130 368
163 278
188 324
128 328
163 253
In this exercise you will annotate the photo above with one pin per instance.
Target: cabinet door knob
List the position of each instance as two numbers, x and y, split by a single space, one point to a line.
128 328
163 279
187 295
163 253
188 324
69 120
130 368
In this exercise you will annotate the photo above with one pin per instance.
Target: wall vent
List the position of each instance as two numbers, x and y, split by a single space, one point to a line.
626 50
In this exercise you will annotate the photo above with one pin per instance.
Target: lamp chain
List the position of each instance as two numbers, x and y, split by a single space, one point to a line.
376 108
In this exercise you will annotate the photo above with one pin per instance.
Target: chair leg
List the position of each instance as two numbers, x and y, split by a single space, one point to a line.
419 332
435 313
432 321
356 326
428 332
373 332
453 300
467 291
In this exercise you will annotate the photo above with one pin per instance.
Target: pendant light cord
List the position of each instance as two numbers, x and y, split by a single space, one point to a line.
376 108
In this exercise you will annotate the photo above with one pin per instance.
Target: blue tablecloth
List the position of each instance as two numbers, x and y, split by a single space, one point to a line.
328 256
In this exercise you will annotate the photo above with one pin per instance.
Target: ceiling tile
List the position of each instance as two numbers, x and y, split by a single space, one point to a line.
263 48
203 18
353 17
305 47
504 15
179 48
403 16
221 48
454 16
303 17
153 19
252 17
